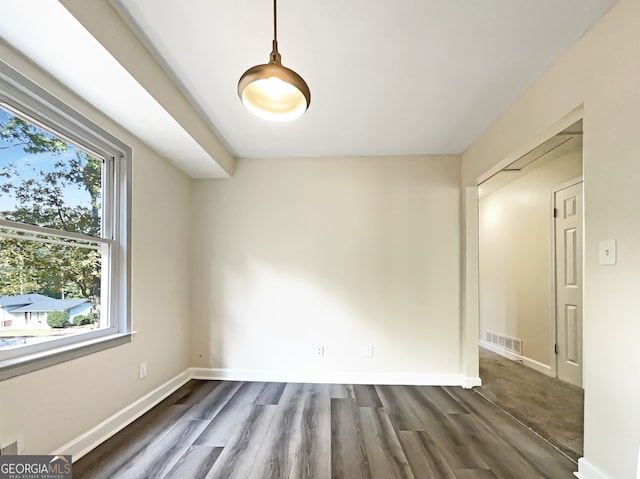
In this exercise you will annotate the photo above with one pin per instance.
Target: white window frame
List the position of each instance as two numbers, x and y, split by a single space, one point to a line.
33 103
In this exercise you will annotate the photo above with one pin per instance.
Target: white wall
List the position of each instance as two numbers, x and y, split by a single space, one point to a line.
291 254
516 297
49 407
602 71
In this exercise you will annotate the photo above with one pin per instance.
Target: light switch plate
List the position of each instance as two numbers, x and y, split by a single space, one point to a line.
607 252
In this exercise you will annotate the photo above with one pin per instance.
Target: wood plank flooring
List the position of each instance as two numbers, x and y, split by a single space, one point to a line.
212 429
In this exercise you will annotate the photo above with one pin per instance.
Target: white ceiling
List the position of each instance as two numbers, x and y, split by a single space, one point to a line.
386 78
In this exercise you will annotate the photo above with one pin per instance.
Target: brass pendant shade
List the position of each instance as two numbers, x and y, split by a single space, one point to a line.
274 92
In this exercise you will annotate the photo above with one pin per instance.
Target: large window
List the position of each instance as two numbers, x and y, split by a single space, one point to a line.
63 231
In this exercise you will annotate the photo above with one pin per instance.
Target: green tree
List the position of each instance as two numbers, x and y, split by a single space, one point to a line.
18 133
39 198
18 273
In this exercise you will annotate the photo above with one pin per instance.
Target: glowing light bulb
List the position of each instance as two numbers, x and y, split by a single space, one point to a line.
273 99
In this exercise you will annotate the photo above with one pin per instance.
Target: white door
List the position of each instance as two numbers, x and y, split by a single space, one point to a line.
568 246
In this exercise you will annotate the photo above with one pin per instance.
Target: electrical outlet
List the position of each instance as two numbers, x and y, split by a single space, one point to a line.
143 370
319 351
368 351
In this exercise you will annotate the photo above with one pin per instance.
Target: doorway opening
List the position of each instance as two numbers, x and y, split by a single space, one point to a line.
530 289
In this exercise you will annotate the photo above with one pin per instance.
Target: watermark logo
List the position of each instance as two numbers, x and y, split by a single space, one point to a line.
35 467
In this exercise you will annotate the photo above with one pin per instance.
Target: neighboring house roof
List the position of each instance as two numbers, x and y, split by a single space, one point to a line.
21 299
33 303
50 305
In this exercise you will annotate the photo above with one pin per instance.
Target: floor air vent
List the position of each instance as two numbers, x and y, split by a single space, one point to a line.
10 449
505 342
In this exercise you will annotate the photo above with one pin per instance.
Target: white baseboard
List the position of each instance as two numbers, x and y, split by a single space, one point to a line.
471 382
586 470
532 363
86 442
334 377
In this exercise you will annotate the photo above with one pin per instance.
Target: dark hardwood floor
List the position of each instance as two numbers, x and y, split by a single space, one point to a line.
212 429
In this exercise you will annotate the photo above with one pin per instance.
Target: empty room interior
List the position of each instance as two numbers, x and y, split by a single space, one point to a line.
318 262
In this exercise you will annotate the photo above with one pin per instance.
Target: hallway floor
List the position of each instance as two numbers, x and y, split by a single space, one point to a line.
550 407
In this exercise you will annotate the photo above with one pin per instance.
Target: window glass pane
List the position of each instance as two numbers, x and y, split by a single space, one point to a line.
47 181
64 231
48 289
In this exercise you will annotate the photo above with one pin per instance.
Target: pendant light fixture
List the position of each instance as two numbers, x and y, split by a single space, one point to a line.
271 91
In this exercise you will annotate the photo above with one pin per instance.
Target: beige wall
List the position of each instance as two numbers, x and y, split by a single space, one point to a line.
516 296
373 246
342 252
52 406
602 71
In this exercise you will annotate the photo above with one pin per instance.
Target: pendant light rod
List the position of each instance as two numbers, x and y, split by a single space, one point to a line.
275 22
275 55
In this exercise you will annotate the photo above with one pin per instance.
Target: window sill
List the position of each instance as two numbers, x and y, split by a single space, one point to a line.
32 362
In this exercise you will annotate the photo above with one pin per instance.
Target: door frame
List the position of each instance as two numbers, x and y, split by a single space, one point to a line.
554 296
471 306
